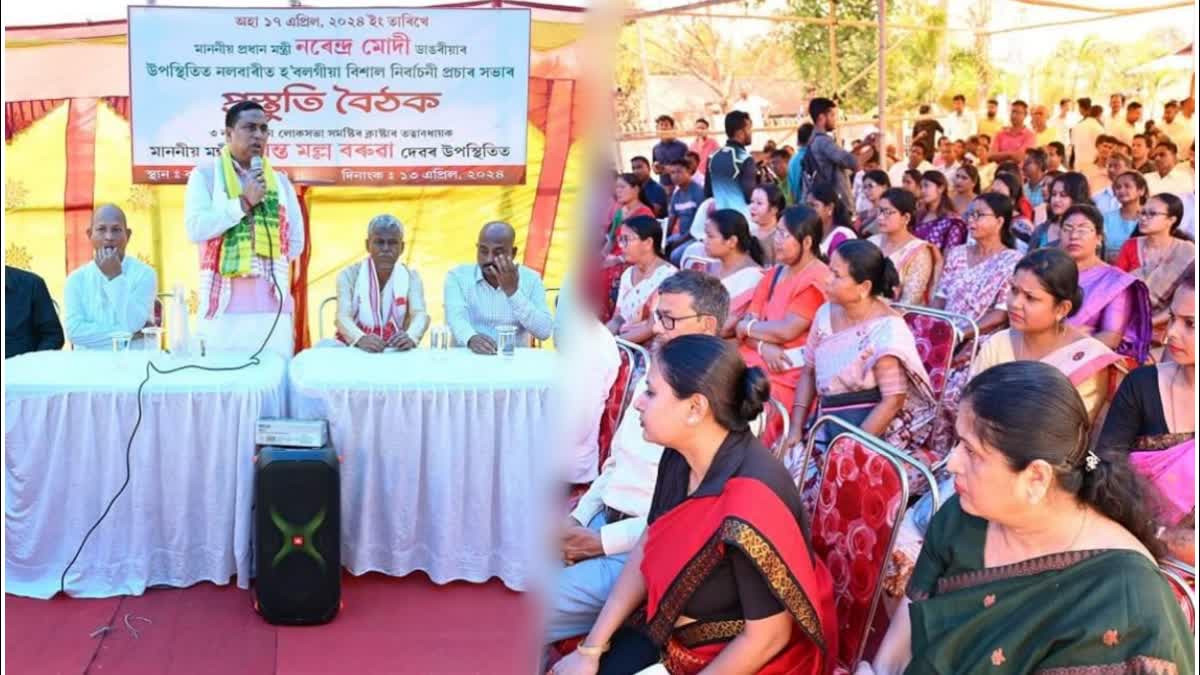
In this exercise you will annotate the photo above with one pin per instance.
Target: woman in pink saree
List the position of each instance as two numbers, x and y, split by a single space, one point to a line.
1153 416
1116 305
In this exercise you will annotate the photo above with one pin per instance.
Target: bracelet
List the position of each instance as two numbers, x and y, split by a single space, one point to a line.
750 325
592 651
759 348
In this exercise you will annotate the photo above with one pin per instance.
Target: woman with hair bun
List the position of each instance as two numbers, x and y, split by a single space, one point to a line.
1045 559
724 573
861 360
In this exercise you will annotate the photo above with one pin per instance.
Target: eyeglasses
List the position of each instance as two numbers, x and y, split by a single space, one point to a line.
887 213
626 240
668 322
1073 231
976 215
1146 213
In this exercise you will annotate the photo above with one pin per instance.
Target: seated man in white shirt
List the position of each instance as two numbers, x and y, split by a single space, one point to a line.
113 293
1168 174
1106 198
611 515
496 291
381 303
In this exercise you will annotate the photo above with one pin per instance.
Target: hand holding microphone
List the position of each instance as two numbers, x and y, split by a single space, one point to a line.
254 186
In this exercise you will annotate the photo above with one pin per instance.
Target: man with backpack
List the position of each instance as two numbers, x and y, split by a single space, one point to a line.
824 161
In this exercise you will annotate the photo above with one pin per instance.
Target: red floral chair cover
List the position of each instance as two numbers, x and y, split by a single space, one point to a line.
1182 580
862 494
697 263
937 339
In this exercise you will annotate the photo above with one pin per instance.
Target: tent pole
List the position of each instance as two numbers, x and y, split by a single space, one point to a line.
882 94
833 55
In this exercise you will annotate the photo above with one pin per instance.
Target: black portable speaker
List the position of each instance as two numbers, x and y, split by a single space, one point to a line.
297 535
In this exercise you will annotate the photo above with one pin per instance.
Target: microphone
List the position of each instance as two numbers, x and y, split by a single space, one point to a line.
256 164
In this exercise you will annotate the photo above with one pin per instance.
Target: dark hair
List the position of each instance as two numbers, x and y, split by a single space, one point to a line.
735 121
826 194
1139 183
867 262
713 368
804 133
633 182
1188 278
923 109
1075 185
944 205
236 110
1064 100
1057 273
703 121
1037 156
903 201
681 163
640 158
1171 104
1019 103
665 118
709 296
992 101
731 223
645 228
878 177
1012 182
1134 106
1168 144
819 106
960 97
1002 206
1059 148
1010 166
1085 103
775 198
1094 217
1060 438
1174 210
801 221
914 175
1095 111
1120 96
1145 139
973 173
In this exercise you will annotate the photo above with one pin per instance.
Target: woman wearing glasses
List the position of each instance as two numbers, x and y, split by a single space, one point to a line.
784 302
1116 306
915 259
1157 254
640 239
974 283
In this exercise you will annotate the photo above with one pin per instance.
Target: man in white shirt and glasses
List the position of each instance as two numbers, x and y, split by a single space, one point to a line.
611 515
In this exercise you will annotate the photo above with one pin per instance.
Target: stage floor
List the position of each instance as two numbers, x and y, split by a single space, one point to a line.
388 625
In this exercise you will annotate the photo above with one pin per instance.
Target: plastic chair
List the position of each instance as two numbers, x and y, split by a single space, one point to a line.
321 323
938 335
862 493
772 427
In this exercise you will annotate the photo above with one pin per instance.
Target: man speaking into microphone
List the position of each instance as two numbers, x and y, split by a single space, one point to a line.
246 219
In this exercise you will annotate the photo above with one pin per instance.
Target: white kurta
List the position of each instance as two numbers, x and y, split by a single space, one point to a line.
98 306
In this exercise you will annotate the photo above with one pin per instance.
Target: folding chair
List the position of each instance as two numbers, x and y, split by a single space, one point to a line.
1182 579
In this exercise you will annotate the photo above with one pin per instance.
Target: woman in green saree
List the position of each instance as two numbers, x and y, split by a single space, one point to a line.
1044 560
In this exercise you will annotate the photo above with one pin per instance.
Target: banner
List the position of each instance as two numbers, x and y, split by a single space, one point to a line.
375 96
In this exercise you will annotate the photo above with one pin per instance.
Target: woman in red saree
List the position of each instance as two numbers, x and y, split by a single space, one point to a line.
629 202
784 302
723 577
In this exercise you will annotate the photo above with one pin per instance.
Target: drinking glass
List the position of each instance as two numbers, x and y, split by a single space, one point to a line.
152 340
506 341
120 341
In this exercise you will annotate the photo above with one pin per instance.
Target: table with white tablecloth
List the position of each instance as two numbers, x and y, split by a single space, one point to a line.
440 456
185 516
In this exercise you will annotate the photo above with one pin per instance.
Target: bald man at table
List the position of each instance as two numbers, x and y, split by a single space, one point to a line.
496 291
112 292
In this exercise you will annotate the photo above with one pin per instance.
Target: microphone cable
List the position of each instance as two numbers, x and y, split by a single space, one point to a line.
152 368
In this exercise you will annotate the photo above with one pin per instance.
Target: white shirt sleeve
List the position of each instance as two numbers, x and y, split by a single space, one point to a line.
458 313
622 536
205 217
98 306
529 305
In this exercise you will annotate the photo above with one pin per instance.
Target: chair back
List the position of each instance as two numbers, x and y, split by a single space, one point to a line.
862 493
938 336
698 263
772 427
321 322
617 402
1182 580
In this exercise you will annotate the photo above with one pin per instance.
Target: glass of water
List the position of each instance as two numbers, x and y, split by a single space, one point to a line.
506 341
120 341
439 341
152 340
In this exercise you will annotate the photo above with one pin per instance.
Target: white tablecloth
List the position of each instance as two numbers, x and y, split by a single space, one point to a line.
185 516
441 455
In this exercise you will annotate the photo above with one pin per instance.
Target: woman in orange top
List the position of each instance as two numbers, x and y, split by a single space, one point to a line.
785 302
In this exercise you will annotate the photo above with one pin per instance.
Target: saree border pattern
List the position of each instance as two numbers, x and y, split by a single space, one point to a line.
1055 562
1135 665
739 533
1161 441
707 632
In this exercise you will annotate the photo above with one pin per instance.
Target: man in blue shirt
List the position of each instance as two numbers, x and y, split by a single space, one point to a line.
667 150
794 172
656 195
685 201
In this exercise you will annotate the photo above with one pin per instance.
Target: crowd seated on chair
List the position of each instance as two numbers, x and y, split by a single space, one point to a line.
958 400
